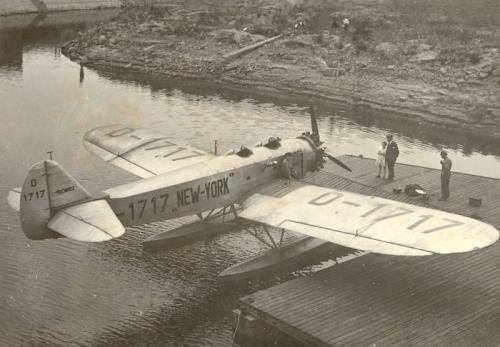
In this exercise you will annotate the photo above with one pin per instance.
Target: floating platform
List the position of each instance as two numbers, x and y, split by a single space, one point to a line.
379 300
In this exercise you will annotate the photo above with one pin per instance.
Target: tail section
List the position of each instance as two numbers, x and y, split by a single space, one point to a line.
92 221
46 187
53 204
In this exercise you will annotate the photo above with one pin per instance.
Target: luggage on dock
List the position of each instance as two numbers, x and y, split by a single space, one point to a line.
414 190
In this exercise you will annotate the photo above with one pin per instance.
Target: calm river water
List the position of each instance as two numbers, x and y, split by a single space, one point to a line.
62 292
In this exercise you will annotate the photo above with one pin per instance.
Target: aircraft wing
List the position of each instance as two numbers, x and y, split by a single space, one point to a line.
368 223
141 151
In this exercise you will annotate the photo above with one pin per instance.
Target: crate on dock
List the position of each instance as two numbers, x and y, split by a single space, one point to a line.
475 202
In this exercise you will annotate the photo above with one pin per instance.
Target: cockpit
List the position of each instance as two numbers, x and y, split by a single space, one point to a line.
273 143
244 152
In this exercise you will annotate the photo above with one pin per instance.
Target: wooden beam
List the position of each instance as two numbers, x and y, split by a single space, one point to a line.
229 57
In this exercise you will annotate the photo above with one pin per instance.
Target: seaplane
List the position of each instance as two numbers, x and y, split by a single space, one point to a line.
178 180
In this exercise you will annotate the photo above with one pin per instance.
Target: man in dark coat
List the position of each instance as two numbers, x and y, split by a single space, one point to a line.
286 167
445 176
391 154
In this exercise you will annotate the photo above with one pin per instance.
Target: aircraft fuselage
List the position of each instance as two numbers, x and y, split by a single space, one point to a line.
218 182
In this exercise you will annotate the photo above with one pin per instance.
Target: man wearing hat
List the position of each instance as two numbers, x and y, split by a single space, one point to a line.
391 154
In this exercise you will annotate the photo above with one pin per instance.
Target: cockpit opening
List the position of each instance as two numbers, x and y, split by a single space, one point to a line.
273 143
244 152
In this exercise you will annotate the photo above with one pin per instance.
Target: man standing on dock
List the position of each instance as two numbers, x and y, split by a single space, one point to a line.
391 154
445 176
286 168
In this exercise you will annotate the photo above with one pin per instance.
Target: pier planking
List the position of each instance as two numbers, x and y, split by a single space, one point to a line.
388 300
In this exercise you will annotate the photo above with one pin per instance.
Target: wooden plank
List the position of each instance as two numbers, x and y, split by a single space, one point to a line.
229 57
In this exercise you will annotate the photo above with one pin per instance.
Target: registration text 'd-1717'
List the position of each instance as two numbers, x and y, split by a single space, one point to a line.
385 211
161 147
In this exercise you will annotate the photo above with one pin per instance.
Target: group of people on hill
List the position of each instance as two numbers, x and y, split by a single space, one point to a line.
386 159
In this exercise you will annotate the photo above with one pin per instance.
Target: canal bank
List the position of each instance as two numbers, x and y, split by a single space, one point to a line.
422 74
8 7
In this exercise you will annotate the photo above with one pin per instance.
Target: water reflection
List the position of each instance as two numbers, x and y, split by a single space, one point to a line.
419 136
11 48
82 73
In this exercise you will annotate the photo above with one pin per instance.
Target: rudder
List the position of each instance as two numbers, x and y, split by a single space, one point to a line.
47 187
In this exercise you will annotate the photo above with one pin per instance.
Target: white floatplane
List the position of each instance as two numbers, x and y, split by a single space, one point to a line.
179 180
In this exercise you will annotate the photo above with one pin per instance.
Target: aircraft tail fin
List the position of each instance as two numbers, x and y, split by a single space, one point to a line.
53 204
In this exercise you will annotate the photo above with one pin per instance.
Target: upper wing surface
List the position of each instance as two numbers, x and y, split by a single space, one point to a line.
141 151
369 223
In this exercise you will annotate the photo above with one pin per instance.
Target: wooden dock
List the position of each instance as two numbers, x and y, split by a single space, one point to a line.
378 300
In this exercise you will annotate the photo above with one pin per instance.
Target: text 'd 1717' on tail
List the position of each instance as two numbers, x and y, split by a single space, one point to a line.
46 188
53 204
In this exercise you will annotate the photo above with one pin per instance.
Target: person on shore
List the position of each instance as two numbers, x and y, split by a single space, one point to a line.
380 162
445 176
335 23
391 154
345 24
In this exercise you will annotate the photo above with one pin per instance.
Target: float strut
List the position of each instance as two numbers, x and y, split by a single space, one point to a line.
269 235
281 236
224 215
256 235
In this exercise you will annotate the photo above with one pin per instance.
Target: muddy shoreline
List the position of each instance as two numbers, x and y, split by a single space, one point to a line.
330 65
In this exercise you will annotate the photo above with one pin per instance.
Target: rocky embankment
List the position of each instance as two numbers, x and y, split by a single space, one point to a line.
428 67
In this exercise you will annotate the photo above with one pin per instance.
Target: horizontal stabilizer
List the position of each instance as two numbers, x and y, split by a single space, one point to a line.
92 221
14 199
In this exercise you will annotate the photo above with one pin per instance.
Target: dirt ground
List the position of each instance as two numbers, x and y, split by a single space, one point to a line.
430 61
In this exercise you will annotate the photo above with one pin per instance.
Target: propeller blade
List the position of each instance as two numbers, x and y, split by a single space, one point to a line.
338 162
314 123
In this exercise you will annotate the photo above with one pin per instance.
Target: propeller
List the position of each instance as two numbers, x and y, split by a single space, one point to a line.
336 161
318 143
314 123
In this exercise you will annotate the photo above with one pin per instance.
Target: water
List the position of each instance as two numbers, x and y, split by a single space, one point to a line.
62 292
